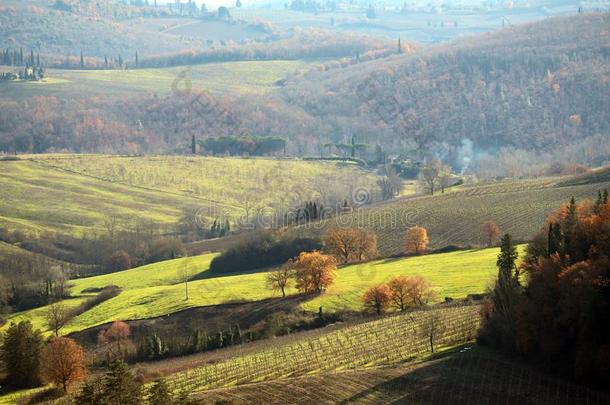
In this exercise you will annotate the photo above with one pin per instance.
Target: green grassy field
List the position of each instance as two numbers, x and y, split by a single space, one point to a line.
158 289
256 77
73 194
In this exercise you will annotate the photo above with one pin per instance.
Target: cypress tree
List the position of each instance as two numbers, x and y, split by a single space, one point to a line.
137 59
506 290
568 228
82 60
193 143
605 196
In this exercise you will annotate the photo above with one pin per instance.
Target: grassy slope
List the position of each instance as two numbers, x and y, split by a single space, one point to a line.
157 289
72 194
232 77
519 207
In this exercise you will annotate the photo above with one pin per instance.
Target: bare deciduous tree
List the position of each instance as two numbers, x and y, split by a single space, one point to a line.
56 317
280 279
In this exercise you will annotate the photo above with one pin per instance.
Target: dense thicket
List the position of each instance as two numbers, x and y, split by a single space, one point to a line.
560 317
532 87
261 252
301 44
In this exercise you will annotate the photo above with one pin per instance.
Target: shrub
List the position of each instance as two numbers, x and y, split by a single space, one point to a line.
260 253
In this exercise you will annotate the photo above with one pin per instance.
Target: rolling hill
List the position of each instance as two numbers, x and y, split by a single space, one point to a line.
71 194
158 289
491 90
455 218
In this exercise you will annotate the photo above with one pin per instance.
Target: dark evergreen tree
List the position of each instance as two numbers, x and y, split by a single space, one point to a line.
91 393
193 145
555 240
20 354
120 386
82 60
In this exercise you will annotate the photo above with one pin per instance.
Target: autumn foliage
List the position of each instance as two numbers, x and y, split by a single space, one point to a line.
314 271
351 244
561 318
377 298
416 240
414 291
115 341
63 363
491 231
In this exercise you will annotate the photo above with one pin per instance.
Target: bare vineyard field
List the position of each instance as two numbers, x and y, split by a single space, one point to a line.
390 340
455 218
467 376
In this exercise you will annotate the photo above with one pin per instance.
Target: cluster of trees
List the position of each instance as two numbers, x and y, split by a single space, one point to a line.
401 293
116 248
30 280
435 175
246 145
312 5
13 57
111 9
28 73
260 252
560 317
310 272
350 245
28 360
310 43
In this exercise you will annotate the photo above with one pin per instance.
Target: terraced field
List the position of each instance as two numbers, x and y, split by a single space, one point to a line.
455 218
73 194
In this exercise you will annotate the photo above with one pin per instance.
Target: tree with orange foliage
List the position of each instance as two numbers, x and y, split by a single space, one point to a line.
116 341
63 363
416 240
491 231
413 291
351 244
377 298
314 271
